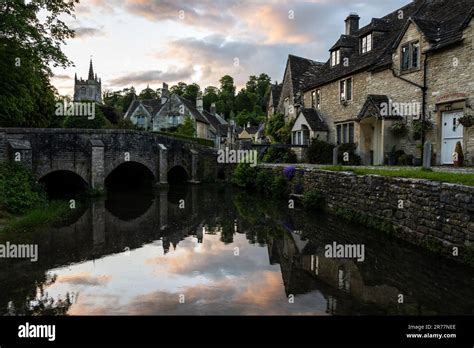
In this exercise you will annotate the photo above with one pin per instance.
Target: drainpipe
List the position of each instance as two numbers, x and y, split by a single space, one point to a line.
424 89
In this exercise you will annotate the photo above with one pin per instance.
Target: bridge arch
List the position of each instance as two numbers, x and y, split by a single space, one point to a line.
178 175
63 183
130 175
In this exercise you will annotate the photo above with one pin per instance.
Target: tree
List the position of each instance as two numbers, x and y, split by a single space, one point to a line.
226 96
147 93
29 45
191 92
179 88
97 122
187 128
211 95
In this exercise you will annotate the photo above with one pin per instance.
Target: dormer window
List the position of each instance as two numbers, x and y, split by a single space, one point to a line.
366 43
335 57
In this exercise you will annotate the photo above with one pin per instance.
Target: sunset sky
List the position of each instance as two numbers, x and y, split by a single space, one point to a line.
141 42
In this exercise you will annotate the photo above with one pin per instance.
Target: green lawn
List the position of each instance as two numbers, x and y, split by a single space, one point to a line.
415 173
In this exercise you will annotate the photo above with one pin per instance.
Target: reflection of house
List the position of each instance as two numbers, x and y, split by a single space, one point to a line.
420 54
248 133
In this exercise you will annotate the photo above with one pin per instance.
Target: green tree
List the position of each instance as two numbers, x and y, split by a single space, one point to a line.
179 89
97 122
211 95
147 93
187 128
191 92
226 96
29 44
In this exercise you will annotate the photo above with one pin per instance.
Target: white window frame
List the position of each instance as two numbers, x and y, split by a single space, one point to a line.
335 57
366 43
343 93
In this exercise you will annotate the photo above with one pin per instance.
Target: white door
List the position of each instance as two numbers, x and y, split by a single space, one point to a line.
452 132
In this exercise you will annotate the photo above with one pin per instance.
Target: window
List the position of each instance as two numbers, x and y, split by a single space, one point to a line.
345 133
411 56
286 106
367 43
316 99
345 90
335 57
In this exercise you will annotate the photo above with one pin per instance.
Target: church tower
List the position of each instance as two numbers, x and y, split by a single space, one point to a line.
90 89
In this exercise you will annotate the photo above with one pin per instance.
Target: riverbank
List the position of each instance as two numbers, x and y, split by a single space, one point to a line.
435 215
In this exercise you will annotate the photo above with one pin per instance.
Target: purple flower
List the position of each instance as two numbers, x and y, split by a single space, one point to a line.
289 172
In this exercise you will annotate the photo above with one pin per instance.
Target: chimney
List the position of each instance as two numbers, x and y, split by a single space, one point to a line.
165 93
248 124
199 104
213 109
352 23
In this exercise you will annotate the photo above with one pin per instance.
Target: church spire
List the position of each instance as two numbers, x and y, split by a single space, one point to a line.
91 71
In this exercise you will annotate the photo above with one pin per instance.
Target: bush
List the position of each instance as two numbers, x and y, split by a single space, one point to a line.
319 152
350 148
289 172
405 160
264 181
83 122
244 175
313 200
19 191
279 155
279 187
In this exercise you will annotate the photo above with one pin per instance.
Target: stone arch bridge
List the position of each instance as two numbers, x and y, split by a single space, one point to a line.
95 154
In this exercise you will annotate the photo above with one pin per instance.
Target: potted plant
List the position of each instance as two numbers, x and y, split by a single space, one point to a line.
392 157
458 155
420 127
399 129
467 121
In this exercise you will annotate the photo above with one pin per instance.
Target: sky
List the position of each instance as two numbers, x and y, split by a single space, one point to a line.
148 42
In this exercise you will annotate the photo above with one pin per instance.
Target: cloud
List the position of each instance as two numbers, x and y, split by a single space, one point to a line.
85 32
152 76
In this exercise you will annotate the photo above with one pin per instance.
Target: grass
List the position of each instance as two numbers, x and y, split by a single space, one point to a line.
415 173
38 217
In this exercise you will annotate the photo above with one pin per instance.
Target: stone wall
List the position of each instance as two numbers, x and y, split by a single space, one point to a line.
433 214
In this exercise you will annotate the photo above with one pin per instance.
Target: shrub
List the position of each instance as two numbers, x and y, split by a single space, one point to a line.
399 129
19 191
319 152
349 148
289 172
279 155
313 200
244 175
405 160
279 187
264 181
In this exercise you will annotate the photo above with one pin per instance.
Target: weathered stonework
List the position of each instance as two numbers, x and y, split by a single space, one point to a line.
94 154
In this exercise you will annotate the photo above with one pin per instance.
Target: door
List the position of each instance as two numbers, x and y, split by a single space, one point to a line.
452 132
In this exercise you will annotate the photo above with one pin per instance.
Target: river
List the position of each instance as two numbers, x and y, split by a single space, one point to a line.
197 250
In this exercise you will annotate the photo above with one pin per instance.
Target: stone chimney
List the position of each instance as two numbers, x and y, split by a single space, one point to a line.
213 109
165 93
352 23
199 103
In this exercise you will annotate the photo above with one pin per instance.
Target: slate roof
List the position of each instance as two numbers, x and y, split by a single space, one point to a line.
214 120
442 21
314 120
302 70
251 130
276 92
151 105
193 110
372 107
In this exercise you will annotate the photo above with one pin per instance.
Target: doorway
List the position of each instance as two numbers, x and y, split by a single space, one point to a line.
452 132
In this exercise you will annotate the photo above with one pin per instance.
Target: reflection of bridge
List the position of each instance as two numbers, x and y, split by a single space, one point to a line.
94 154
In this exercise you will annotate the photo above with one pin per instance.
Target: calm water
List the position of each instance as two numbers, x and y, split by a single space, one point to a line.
225 252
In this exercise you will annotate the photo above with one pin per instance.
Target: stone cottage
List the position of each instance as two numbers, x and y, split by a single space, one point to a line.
412 69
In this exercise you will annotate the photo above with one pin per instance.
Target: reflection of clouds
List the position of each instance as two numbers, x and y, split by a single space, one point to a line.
84 279
209 275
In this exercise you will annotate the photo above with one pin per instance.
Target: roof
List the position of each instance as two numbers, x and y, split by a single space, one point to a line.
214 120
193 110
276 92
372 107
151 105
314 120
441 21
251 130
302 70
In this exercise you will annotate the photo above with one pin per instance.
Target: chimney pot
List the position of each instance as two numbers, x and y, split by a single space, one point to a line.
352 23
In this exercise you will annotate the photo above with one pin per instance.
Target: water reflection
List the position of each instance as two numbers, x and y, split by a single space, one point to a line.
207 250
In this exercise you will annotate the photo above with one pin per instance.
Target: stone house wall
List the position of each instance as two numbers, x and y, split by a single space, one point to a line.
287 92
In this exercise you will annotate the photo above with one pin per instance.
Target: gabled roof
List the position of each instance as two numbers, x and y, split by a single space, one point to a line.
314 120
214 120
150 105
193 110
348 41
302 70
276 92
251 130
372 107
